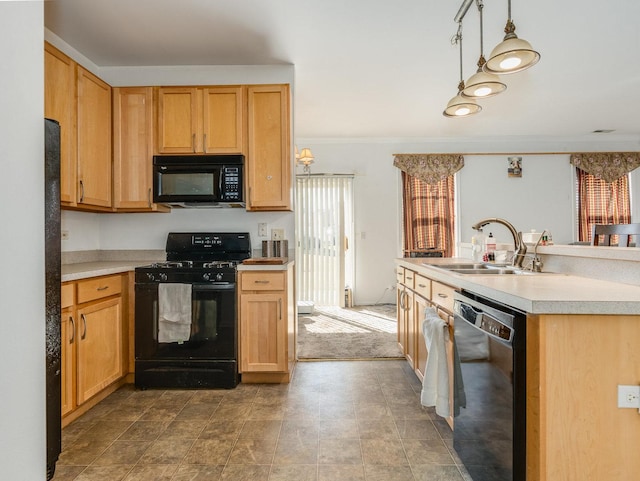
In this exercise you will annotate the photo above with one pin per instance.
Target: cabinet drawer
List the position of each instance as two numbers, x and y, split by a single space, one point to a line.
400 275
409 278
98 287
67 295
442 295
262 281
423 286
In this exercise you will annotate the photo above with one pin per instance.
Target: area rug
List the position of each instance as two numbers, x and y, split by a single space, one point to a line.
362 332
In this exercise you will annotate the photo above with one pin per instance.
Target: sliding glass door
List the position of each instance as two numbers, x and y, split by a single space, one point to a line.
324 232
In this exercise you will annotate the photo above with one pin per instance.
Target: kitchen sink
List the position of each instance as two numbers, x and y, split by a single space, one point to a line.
482 269
490 271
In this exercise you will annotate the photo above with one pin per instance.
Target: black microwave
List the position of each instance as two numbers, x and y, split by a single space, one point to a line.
199 180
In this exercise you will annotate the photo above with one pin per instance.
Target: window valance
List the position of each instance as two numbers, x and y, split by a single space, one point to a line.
608 166
430 168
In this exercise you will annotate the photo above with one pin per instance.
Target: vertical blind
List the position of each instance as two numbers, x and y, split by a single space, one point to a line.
323 208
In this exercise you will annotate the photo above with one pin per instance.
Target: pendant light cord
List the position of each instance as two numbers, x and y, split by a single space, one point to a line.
457 40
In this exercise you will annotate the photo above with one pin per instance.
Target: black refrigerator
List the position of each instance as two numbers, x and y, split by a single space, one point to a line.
52 291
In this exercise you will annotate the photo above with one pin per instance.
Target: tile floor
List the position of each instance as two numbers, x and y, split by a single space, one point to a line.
336 421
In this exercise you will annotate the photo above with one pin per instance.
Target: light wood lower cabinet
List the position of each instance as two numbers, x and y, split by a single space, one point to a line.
267 325
67 348
99 351
416 294
93 342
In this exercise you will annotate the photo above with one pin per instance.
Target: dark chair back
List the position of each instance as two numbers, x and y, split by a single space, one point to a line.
623 231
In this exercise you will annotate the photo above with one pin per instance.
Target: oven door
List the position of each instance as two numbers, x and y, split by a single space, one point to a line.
213 324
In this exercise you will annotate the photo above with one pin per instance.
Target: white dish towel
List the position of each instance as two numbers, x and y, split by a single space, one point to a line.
435 385
174 312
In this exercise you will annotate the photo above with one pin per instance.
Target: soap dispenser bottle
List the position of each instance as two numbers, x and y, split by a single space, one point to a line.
490 246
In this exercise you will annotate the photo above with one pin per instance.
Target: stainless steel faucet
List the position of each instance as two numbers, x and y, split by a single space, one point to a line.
520 247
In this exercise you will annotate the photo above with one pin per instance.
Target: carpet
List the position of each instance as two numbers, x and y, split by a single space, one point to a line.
362 332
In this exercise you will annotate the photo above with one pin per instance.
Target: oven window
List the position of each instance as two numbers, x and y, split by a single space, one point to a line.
187 183
212 331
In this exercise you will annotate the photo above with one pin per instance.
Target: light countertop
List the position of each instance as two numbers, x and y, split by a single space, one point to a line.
537 293
84 270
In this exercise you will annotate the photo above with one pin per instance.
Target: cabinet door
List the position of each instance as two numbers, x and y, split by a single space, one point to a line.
132 148
67 358
263 333
178 120
223 120
403 302
269 149
99 351
94 140
60 105
412 326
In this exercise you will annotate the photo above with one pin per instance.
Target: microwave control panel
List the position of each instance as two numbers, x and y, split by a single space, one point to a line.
232 183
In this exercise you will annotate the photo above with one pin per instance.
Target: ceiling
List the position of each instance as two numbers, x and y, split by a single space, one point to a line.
383 69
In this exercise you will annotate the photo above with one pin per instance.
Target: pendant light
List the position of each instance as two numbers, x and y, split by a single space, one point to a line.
511 55
460 106
482 84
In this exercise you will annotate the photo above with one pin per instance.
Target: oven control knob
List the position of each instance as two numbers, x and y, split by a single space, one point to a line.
150 276
206 276
219 276
162 276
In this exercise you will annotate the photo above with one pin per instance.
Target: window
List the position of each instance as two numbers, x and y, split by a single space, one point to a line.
428 215
601 202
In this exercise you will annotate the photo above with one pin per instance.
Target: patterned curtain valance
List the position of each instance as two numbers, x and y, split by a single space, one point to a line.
430 168
608 166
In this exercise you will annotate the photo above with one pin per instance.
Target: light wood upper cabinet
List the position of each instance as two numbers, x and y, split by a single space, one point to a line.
223 120
60 105
268 162
133 149
200 120
94 140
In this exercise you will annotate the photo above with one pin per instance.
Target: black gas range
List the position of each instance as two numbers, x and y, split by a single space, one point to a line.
186 312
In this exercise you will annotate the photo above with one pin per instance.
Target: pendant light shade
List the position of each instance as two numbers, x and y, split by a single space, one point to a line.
460 106
482 84
511 55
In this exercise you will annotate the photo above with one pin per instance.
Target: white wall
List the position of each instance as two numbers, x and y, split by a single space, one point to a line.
22 330
543 198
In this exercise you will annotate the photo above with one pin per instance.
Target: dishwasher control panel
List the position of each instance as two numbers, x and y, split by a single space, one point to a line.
495 327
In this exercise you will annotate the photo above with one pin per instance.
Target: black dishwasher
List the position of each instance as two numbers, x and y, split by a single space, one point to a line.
490 410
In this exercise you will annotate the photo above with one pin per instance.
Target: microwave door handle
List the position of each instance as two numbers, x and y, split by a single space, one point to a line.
220 182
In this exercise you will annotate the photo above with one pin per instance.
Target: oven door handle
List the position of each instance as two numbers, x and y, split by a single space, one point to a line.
214 286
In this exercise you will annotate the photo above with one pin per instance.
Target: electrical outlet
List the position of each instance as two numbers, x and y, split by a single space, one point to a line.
629 396
277 234
64 235
262 229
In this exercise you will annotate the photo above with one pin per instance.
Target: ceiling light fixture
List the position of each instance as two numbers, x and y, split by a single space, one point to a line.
511 55
460 106
482 84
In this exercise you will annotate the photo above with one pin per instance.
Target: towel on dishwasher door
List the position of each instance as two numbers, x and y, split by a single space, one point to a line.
174 312
435 385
